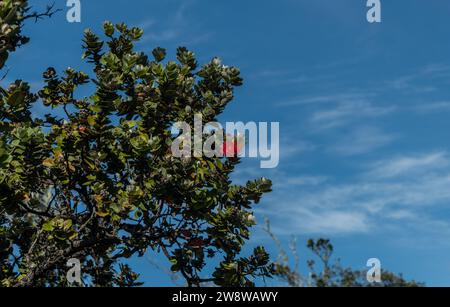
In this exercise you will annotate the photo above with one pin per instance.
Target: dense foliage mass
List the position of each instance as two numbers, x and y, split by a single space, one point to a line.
94 178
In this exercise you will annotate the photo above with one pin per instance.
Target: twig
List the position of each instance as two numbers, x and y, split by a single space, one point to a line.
5 74
49 12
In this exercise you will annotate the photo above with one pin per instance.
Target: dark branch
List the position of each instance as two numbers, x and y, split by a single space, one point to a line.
49 12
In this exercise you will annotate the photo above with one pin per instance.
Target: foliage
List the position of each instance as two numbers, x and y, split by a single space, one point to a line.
94 179
12 15
327 273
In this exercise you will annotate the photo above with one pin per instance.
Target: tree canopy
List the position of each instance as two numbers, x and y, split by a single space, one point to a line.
94 178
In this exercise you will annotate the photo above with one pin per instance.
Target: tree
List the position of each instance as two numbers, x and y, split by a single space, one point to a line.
12 15
326 273
94 179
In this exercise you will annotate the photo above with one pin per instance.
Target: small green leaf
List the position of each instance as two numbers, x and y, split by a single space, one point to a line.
159 54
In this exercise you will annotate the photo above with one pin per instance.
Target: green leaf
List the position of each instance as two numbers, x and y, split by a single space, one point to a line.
48 226
159 54
108 28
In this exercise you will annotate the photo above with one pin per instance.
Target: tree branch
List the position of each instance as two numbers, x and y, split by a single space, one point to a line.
49 12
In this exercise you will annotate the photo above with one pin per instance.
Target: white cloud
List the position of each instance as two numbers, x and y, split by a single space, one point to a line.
175 27
362 140
335 222
394 197
328 111
406 165
292 149
348 111
432 107
327 98
415 81
304 180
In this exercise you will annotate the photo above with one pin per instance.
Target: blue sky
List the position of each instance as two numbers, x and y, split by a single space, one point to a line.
364 112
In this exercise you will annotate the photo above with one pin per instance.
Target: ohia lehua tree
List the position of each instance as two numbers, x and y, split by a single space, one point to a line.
94 178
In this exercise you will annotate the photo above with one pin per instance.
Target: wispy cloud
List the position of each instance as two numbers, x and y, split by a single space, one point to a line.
175 27
327 98
304 181
290 149
305 221
408 165
348 111
432 107
331 110
362 140
419 80
387 194
288 78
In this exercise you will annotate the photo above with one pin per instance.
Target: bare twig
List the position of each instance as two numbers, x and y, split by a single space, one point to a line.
49 12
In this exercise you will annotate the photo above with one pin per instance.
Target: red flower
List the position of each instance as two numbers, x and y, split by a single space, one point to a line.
82 129
229 149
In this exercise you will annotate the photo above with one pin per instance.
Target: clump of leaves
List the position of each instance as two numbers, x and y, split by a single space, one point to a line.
95 179
12 15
